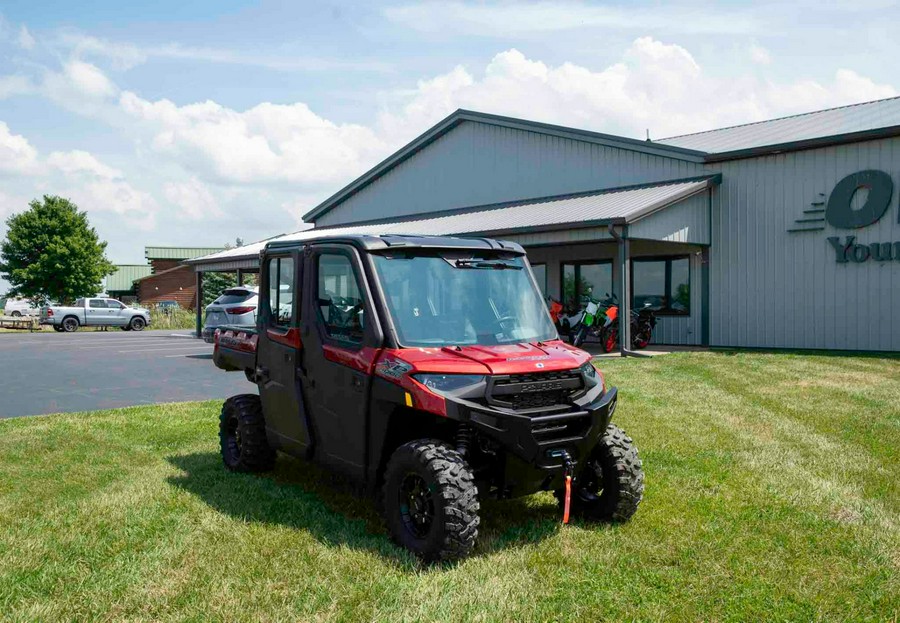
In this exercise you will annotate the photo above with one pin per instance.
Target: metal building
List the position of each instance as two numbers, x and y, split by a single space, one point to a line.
778 234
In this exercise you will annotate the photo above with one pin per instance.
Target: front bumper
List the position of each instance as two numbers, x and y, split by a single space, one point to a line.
536 446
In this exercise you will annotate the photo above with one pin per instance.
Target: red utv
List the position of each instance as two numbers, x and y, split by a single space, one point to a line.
427 369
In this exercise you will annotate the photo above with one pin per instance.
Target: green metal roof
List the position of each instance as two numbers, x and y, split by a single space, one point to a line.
123 279
178 253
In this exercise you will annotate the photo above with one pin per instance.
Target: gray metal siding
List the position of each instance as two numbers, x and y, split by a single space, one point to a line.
772 288
478 164
685 221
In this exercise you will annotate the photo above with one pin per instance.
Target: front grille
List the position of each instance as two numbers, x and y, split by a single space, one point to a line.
535 390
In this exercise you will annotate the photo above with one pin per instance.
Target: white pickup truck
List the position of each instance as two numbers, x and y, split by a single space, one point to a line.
95 312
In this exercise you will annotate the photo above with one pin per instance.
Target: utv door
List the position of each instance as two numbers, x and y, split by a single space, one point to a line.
342 338
278 354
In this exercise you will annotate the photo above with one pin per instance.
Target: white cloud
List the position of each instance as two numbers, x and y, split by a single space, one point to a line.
520 18
89 79
126 55
655 86
134 208
17 155
194 198
25 40
760 55
265 144
14 85
81 162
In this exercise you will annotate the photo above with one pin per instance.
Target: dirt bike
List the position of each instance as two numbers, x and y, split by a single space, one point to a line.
592 320
563 319
642 324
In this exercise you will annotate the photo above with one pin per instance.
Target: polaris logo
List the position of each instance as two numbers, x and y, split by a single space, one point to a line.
538 365
545 386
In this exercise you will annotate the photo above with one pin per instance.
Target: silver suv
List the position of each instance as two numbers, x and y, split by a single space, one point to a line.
234 306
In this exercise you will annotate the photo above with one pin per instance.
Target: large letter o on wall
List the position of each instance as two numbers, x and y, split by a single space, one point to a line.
839 212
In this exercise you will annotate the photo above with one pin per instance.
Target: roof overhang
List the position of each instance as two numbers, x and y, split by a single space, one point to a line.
614 206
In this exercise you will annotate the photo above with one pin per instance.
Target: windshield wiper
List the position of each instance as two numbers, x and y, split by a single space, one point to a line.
485 264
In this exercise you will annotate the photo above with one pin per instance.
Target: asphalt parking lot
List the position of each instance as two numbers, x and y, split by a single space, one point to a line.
51 372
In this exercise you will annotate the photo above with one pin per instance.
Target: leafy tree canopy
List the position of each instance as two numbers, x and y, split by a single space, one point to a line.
52 253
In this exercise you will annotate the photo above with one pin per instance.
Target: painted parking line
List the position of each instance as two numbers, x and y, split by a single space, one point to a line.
186 355
203 347
130 344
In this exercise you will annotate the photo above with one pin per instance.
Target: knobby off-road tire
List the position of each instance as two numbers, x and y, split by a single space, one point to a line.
611 484
580 335
440 522
242 435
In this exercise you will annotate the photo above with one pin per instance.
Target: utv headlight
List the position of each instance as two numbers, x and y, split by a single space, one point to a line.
448 382
589 372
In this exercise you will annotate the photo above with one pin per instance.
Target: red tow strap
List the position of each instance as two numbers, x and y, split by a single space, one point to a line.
568 501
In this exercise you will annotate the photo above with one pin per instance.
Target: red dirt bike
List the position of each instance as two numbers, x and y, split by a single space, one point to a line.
642 324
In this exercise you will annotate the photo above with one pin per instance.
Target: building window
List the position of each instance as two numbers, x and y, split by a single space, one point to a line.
584 280
662 284
540 275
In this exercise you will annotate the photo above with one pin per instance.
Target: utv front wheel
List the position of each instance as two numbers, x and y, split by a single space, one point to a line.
430 501
242 435
610 485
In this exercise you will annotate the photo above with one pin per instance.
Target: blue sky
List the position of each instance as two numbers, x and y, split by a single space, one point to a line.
177 123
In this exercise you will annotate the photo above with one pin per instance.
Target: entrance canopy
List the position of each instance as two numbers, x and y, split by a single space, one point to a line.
676 211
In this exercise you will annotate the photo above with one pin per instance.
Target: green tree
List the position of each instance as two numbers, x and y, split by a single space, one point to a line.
52 253
216 283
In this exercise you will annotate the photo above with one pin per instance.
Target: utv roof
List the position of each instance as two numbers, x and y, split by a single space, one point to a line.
381 242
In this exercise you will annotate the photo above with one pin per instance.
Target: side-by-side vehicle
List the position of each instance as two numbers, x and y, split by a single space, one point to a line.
428 370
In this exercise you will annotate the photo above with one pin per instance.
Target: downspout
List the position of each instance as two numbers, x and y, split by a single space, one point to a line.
624 296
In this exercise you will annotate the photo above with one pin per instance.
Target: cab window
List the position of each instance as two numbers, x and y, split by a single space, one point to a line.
97 304
281 291
339 303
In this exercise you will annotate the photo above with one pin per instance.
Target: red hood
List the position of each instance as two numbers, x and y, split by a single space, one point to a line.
501 359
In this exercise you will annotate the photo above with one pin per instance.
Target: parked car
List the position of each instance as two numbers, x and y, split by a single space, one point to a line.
235 306
20 307
428 371
95 312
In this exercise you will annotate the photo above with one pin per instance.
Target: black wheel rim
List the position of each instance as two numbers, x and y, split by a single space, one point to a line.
590 481
69 325
233 438
137 324
416 505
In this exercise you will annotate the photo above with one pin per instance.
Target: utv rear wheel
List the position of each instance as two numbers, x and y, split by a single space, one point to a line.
430 501
611 484
242 435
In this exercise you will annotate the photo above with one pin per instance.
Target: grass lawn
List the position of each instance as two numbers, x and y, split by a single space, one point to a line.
773 493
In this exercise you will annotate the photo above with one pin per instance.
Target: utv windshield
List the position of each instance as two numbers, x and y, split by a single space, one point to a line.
462 300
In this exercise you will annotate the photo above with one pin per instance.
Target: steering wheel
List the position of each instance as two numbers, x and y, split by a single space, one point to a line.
499 321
